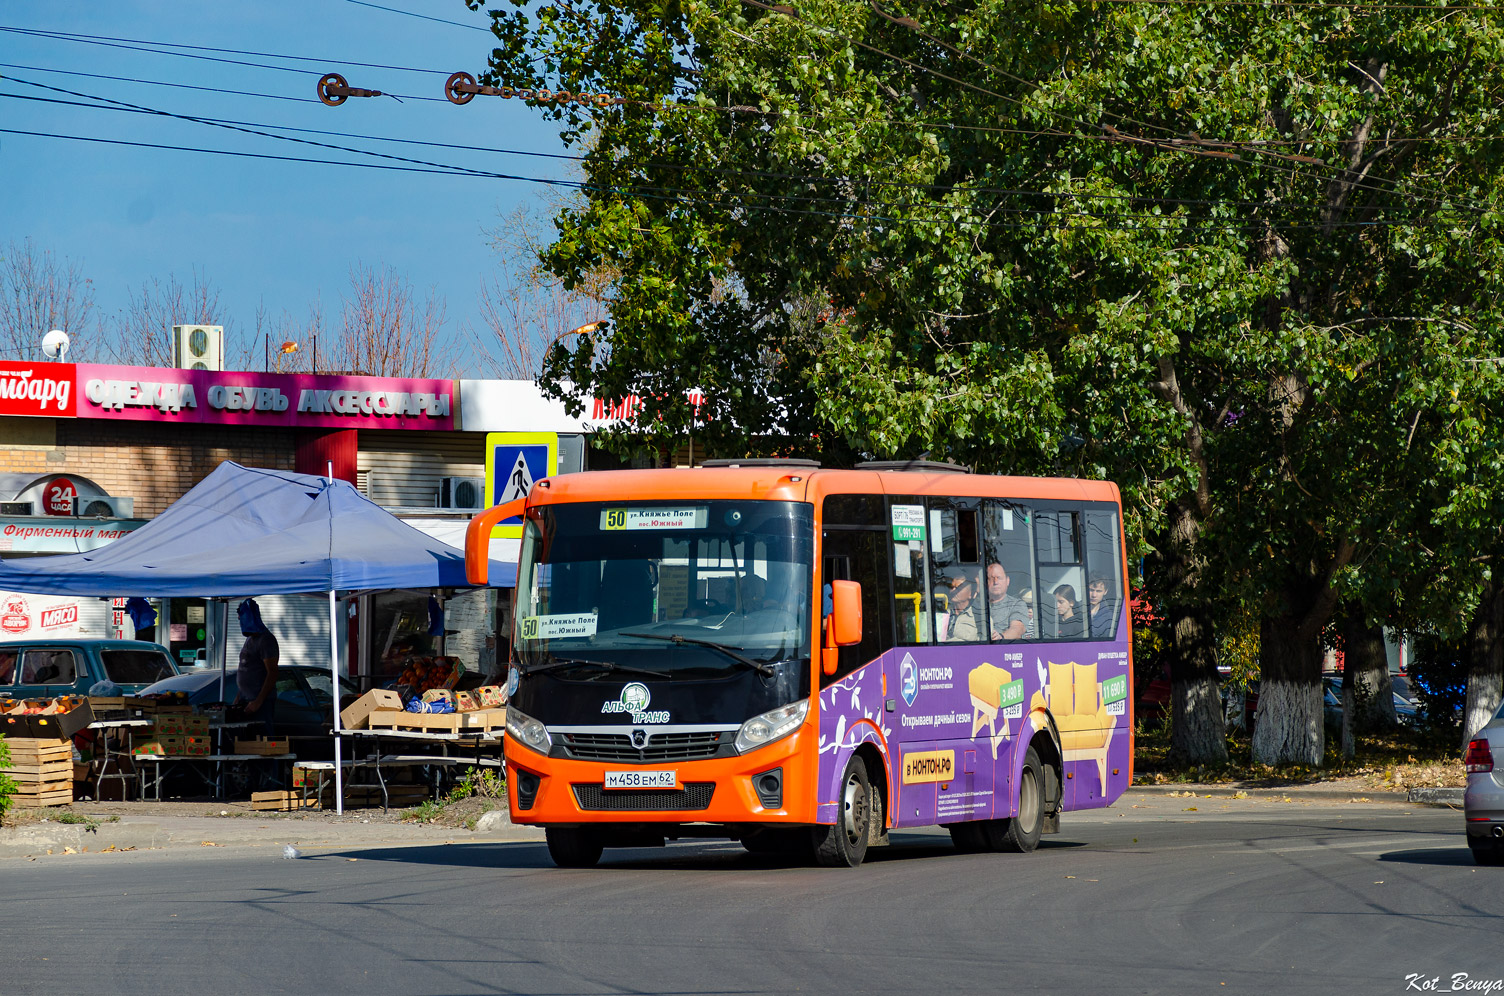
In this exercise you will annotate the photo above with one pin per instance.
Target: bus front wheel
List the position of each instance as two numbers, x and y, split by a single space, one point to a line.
844 844
1021 834
573 847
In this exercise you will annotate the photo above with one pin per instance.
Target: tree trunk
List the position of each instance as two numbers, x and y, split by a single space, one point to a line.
1287 728
1367 696
1485 661
1196 732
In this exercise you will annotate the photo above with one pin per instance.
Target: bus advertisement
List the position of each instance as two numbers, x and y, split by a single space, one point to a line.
803 659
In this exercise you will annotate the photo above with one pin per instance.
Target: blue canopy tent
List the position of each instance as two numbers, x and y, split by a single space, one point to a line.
249 531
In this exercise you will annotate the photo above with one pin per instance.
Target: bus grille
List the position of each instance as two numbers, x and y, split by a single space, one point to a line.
694 795
661 747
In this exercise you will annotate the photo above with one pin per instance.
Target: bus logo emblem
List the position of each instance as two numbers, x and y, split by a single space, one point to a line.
908 674
639 739
635 697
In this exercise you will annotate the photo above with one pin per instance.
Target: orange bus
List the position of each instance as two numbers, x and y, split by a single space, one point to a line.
803 659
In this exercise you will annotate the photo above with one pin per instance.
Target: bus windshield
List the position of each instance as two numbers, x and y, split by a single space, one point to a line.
667 586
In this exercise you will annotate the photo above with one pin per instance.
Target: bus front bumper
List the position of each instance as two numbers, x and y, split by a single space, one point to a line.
551 791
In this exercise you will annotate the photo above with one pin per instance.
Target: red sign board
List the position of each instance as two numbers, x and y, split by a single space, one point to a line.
230 397
14 616
37 389
59 615
59 496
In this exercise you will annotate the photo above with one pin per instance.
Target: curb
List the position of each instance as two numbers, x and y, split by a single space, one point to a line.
1291 792
40 839
1436 796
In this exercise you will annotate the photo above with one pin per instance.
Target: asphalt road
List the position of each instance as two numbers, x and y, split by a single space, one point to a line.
1156 895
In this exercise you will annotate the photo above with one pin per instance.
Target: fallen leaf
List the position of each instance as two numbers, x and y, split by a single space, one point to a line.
1189 809
1070 876
208 843
67 850
352 859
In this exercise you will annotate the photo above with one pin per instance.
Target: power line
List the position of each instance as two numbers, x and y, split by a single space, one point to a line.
973 189
157 46
180 86
441 20
1178 222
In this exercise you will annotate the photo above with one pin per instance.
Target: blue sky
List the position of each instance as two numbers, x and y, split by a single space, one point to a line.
280 234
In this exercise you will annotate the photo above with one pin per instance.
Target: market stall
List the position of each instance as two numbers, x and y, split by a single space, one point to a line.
244 532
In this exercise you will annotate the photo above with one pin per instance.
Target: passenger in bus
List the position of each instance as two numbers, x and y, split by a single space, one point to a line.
1067 615
961 624
1008 615
1102 617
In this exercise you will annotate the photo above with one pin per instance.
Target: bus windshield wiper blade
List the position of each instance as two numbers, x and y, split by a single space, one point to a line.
607 667
731 652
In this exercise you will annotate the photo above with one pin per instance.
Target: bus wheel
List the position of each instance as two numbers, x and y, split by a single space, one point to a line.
1022 833
844 845
572 847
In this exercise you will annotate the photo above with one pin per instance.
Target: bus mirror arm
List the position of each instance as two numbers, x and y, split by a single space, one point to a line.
478 539
843 627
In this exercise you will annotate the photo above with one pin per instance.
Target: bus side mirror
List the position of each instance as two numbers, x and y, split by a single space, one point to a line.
843 627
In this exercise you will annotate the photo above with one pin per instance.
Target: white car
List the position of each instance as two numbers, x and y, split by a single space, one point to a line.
1483 803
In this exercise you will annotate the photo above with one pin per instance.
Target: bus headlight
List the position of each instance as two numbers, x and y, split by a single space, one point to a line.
528 731
759 731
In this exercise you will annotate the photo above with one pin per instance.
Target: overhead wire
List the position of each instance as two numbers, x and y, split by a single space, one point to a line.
808 178
976 221
426 17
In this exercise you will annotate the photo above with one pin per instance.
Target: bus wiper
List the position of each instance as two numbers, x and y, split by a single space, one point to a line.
559 663
731 652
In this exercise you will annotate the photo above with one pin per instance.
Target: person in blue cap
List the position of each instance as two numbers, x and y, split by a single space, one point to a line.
256 677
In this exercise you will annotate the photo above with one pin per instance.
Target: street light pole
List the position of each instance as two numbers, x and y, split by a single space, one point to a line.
599 323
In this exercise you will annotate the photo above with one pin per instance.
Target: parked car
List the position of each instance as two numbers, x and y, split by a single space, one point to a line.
304 703
47 668
1483 801
1331 703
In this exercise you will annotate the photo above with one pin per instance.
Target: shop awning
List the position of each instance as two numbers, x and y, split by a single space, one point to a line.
249 531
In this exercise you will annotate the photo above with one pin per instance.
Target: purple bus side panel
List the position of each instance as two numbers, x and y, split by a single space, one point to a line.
959 714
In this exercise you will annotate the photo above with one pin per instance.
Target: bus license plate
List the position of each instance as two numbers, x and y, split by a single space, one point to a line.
642 779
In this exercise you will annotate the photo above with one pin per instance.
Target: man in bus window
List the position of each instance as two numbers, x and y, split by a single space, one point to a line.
1009 616
961 624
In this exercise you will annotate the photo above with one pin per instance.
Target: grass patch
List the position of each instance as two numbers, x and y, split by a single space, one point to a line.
477 792
1409 757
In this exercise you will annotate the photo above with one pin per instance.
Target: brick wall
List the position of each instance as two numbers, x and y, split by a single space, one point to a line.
151 462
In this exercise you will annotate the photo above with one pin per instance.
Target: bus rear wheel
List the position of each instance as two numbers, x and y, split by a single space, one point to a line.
844 844
573 847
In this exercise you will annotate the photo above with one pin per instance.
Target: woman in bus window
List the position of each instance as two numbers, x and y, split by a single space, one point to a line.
1066 612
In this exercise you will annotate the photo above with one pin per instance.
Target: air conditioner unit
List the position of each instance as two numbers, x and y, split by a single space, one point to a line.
462 492
198 347
104 508
17 508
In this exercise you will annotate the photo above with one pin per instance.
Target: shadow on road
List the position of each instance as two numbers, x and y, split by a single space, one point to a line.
698 855
1460 855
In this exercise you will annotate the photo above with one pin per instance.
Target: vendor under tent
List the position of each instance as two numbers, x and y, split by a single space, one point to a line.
245 531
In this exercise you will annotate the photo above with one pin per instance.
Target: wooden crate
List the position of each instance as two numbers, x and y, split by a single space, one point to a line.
484 719
262 745
282 800
424 722
53 796
50 771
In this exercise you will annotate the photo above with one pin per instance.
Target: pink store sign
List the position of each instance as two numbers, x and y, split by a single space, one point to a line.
157 394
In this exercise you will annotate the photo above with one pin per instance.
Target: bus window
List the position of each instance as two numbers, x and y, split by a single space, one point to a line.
860 555
913 600
1061 593
1104 580
1008 575
960 608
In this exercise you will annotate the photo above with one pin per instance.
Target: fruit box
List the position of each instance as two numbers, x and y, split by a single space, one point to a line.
262 745
354 715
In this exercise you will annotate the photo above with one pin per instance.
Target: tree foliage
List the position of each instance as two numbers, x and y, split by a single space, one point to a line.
1242 259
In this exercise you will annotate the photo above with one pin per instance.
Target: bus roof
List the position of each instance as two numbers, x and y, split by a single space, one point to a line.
800 483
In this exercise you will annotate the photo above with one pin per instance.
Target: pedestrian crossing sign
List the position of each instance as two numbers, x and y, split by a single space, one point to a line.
514 462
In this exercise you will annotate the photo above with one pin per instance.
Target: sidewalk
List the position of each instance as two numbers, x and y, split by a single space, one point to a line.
117 828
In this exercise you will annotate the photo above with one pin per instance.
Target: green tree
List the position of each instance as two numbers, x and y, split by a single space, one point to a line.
1237 258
